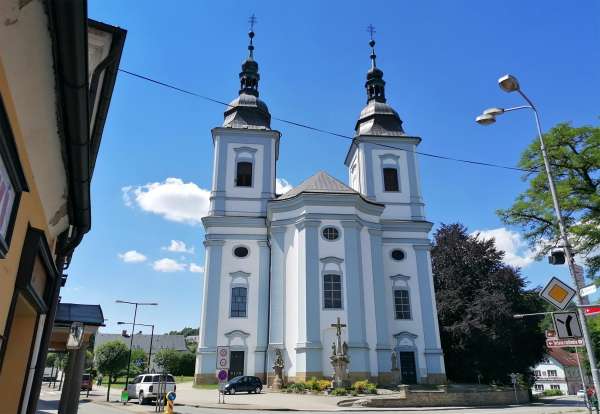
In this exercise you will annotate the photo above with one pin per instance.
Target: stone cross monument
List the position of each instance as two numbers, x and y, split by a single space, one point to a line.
339 358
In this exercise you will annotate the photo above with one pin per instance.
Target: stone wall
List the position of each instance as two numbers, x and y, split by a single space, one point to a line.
441 398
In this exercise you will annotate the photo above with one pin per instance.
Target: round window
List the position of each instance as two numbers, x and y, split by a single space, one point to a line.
240 251
398 254
331 233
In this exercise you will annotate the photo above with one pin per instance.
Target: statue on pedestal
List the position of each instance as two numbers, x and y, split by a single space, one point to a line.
339 358
278 369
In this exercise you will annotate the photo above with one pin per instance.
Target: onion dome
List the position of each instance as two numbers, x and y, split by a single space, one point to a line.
377 118
247 110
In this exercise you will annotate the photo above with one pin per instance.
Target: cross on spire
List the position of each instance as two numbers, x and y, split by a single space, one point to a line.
371 30
252 21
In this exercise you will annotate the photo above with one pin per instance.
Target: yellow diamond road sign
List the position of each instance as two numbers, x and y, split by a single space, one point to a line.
558 293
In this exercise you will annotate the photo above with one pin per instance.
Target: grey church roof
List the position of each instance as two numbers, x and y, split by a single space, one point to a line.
321 182
176 342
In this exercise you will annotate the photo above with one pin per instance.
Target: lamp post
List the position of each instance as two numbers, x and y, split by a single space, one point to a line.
132 331
509 83
151 338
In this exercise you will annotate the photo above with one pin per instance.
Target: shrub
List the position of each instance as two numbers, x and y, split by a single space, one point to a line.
297 387
354 393
364 387
339 392
552 393
323 384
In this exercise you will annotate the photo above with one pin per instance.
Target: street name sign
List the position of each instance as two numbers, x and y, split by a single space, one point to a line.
222 357
591 310
557 293
588 290
567 325
564 343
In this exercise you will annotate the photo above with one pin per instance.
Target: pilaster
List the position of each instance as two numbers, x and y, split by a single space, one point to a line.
277 312
357 334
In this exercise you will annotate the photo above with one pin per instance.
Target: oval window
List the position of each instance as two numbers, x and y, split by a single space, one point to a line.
398 254
331 233
240 251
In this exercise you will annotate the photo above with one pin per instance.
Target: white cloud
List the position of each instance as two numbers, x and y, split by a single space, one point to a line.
168 265
132 256
194 268
179 246
173 199
516 251
282 186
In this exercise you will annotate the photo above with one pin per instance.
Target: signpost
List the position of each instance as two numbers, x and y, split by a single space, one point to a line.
558 293
591 310
552 341
223 359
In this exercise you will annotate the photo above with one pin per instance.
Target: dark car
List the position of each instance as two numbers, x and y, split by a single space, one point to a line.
86 382
244 383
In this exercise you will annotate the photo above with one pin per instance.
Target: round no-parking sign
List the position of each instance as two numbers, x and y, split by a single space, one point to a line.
222 375
222 357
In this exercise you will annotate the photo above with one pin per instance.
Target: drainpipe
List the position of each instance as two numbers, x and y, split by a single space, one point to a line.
266 363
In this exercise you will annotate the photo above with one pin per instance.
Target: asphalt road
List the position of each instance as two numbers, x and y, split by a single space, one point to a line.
48 404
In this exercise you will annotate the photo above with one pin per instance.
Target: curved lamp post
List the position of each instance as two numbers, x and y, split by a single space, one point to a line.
509 83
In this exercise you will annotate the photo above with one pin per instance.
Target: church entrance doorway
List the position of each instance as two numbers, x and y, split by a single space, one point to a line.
408 367
236 364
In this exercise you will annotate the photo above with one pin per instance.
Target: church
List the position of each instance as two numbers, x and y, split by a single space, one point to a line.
280 269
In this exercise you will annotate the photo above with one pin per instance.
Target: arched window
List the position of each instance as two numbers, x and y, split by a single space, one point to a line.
332 291
239 300
390 179
244 174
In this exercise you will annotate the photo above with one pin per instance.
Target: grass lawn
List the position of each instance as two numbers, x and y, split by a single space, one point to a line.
183 378
206 386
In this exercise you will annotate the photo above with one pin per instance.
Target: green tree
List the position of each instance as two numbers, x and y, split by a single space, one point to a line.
168 360
51 359
187 331
139 362
187 364
111 360
574 156
477 296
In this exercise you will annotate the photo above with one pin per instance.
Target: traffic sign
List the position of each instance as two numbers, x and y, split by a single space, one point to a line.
222 357
557 293
567 325
564 343
222 375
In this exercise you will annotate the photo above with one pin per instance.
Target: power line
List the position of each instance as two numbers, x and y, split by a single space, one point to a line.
324 131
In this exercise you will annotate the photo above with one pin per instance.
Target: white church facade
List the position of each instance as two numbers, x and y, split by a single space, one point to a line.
280 269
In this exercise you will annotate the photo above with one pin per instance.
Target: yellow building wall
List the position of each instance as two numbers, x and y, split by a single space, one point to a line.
30 213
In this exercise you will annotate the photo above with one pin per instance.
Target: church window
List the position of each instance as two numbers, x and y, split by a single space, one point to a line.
401 304
390 179
244 174
239 299
240 252
332 291
331 233
398 254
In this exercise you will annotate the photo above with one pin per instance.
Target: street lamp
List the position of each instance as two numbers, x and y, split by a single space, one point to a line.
132 331
151 338
509 83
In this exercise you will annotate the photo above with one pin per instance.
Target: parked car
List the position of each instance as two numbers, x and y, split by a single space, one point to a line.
145 387
244 383
581 393
86 382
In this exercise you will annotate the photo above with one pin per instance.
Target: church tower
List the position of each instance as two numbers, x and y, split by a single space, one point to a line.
235 308
382 162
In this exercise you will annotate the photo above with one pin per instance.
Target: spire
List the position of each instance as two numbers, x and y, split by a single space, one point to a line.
247 110
375 84
377 117
249 76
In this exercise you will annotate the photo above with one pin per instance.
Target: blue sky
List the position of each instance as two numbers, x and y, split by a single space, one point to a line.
441 61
